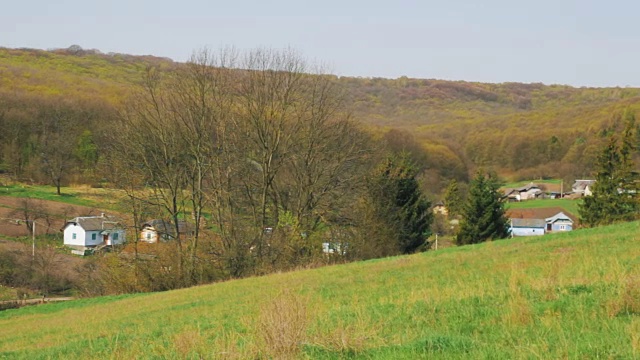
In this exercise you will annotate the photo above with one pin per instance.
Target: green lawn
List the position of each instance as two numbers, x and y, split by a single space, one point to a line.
567 204
525 182
571 295
68 195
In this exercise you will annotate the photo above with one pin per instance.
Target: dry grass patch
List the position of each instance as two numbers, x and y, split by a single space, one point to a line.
282 325
627 301
518 309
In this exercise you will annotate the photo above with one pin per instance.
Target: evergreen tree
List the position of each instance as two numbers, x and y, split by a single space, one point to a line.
483 214
452 199
401 204
614 194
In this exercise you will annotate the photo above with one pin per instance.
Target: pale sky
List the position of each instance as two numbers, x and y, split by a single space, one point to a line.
576 42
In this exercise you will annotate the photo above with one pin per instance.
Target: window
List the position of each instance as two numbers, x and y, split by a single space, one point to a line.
73 236
115 236
148 236
562 227
93 236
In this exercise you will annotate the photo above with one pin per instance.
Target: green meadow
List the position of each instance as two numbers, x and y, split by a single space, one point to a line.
571 295
567 204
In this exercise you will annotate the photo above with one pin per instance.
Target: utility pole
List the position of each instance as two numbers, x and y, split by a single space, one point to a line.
33 239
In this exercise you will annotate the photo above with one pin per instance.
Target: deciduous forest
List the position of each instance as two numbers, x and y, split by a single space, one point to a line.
274 156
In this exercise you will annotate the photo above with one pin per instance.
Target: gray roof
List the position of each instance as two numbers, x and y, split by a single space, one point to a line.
167 227
529 223
92 223
581 185
557 217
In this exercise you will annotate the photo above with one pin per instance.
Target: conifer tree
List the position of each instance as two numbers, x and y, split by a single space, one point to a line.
401 204
483 214
614 194
452 199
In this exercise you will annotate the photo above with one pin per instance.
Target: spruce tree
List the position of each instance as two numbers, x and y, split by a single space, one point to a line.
401 204
452 199
614 194
483 214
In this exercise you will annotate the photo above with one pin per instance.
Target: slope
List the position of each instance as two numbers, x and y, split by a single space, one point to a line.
572 295
522 130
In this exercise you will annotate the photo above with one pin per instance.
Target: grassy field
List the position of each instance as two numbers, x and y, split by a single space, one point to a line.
567 204
84 196
571 295
525 182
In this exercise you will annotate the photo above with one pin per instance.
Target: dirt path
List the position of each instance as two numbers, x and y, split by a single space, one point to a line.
37 301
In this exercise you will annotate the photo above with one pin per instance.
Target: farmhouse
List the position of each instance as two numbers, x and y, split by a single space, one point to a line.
527 192
583 187
88 232
527 227
529 222
439 208
163 230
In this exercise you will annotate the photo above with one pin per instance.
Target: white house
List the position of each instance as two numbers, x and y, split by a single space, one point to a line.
527 227
527 192
559 222
583 187
90 231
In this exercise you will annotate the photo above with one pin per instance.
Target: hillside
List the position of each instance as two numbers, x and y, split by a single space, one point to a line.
572 295
521 130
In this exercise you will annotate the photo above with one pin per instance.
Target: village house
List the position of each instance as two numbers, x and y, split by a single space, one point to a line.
583 187
85 233
527 192
533 222
163 230
440 209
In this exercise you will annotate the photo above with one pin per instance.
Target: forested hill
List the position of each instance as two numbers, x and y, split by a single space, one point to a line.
521 130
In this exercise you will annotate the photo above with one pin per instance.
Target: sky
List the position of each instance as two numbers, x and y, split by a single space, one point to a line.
579 43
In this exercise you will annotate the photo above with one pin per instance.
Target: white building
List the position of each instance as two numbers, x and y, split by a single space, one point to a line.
86 232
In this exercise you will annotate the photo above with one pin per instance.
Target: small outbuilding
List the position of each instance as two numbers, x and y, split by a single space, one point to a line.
163 230
527 227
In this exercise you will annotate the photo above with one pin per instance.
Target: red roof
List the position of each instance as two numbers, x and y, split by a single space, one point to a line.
539 213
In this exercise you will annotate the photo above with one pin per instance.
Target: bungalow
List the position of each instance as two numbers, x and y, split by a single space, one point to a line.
583 187
528 222
527 227
527 192
439 208
559 222
163 230
88 232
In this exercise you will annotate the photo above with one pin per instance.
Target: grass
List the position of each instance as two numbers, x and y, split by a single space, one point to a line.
569 205
73 196
571 295
103 198
525 182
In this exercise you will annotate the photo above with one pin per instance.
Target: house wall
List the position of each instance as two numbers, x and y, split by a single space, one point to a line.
149 235
120 240
93 238
68 235
529 194
587 191
562 226
527 231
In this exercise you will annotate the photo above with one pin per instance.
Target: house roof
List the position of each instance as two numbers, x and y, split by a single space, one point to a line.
539 213
559 216
92 223
529 186
530 223
581 185
167 227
